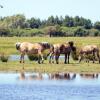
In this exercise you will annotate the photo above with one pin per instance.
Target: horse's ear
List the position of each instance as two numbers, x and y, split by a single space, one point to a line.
71 43
17 45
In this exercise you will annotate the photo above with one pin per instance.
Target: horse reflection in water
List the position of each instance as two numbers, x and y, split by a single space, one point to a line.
40 76
89 76
30 77
22 76
31 49
64 76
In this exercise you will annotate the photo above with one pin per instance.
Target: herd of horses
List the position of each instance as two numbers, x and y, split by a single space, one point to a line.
55 50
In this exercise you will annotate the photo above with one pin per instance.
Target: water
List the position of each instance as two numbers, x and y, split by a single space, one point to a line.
37 86
17 57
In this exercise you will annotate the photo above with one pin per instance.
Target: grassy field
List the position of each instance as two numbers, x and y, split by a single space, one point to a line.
7 45
50 68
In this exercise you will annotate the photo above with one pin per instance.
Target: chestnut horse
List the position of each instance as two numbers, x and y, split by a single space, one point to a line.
29 49
87 50
64 48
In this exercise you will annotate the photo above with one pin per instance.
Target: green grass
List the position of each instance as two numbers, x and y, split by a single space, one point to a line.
50 68
7 45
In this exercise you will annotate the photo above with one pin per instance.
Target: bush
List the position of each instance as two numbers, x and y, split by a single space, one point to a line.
4 57
35 56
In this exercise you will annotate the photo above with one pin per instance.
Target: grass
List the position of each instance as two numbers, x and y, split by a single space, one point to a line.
30 66
7 45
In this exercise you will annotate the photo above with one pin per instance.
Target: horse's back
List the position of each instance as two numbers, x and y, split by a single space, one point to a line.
89 48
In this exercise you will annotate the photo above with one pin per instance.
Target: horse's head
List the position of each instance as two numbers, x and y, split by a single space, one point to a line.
75 53
18 45
71 43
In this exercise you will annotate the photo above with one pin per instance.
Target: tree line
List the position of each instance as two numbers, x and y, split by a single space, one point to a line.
18 25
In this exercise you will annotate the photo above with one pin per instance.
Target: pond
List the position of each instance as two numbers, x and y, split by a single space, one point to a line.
43 86
17 57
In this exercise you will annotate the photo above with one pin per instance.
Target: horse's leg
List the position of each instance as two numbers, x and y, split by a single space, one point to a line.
65 59
98 56
51 57
40 57
21 57
87 59
57 58
80 58
68 57
93 57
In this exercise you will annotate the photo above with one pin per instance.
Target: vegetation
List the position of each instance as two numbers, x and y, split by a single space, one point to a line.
7 44
18 25
50 68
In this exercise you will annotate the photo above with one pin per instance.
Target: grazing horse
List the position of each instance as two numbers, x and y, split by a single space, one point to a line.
87 50
64 48
29 49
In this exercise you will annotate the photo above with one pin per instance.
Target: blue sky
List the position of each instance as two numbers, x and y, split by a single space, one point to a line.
44 8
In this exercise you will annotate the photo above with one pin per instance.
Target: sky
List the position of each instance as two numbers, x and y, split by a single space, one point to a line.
44 8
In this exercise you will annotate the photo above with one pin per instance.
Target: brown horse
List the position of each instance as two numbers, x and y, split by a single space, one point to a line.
87 50
29 49
64 48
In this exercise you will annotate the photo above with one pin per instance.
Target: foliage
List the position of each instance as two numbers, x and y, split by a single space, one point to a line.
18 25
34 57
4 57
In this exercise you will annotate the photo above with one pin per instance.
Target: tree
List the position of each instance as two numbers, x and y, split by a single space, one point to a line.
50 21
34 23
97 25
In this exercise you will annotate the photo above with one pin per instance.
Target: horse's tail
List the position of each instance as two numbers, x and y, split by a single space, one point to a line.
18 45
98 55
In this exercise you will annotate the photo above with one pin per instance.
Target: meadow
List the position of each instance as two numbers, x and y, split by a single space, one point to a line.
7 46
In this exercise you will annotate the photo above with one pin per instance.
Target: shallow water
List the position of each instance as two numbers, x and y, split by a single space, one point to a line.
37 86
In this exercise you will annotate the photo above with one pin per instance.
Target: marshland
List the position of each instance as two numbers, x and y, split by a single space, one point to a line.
7 46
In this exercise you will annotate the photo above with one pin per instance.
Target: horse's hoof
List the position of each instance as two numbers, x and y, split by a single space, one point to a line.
20 61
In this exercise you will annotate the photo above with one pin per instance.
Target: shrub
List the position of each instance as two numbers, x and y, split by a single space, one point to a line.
35 56
4 57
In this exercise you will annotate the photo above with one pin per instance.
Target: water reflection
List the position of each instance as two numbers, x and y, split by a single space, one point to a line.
40 76
24 86
66 76
89 76
55 76
34 76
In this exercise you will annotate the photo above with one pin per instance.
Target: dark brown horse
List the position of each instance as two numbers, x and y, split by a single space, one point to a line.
30 49
87 50
64 48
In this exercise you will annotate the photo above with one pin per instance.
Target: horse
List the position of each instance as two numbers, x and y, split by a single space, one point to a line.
87 50
64 48
32 48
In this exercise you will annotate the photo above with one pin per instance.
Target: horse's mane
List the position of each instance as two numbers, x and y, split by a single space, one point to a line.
46 45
